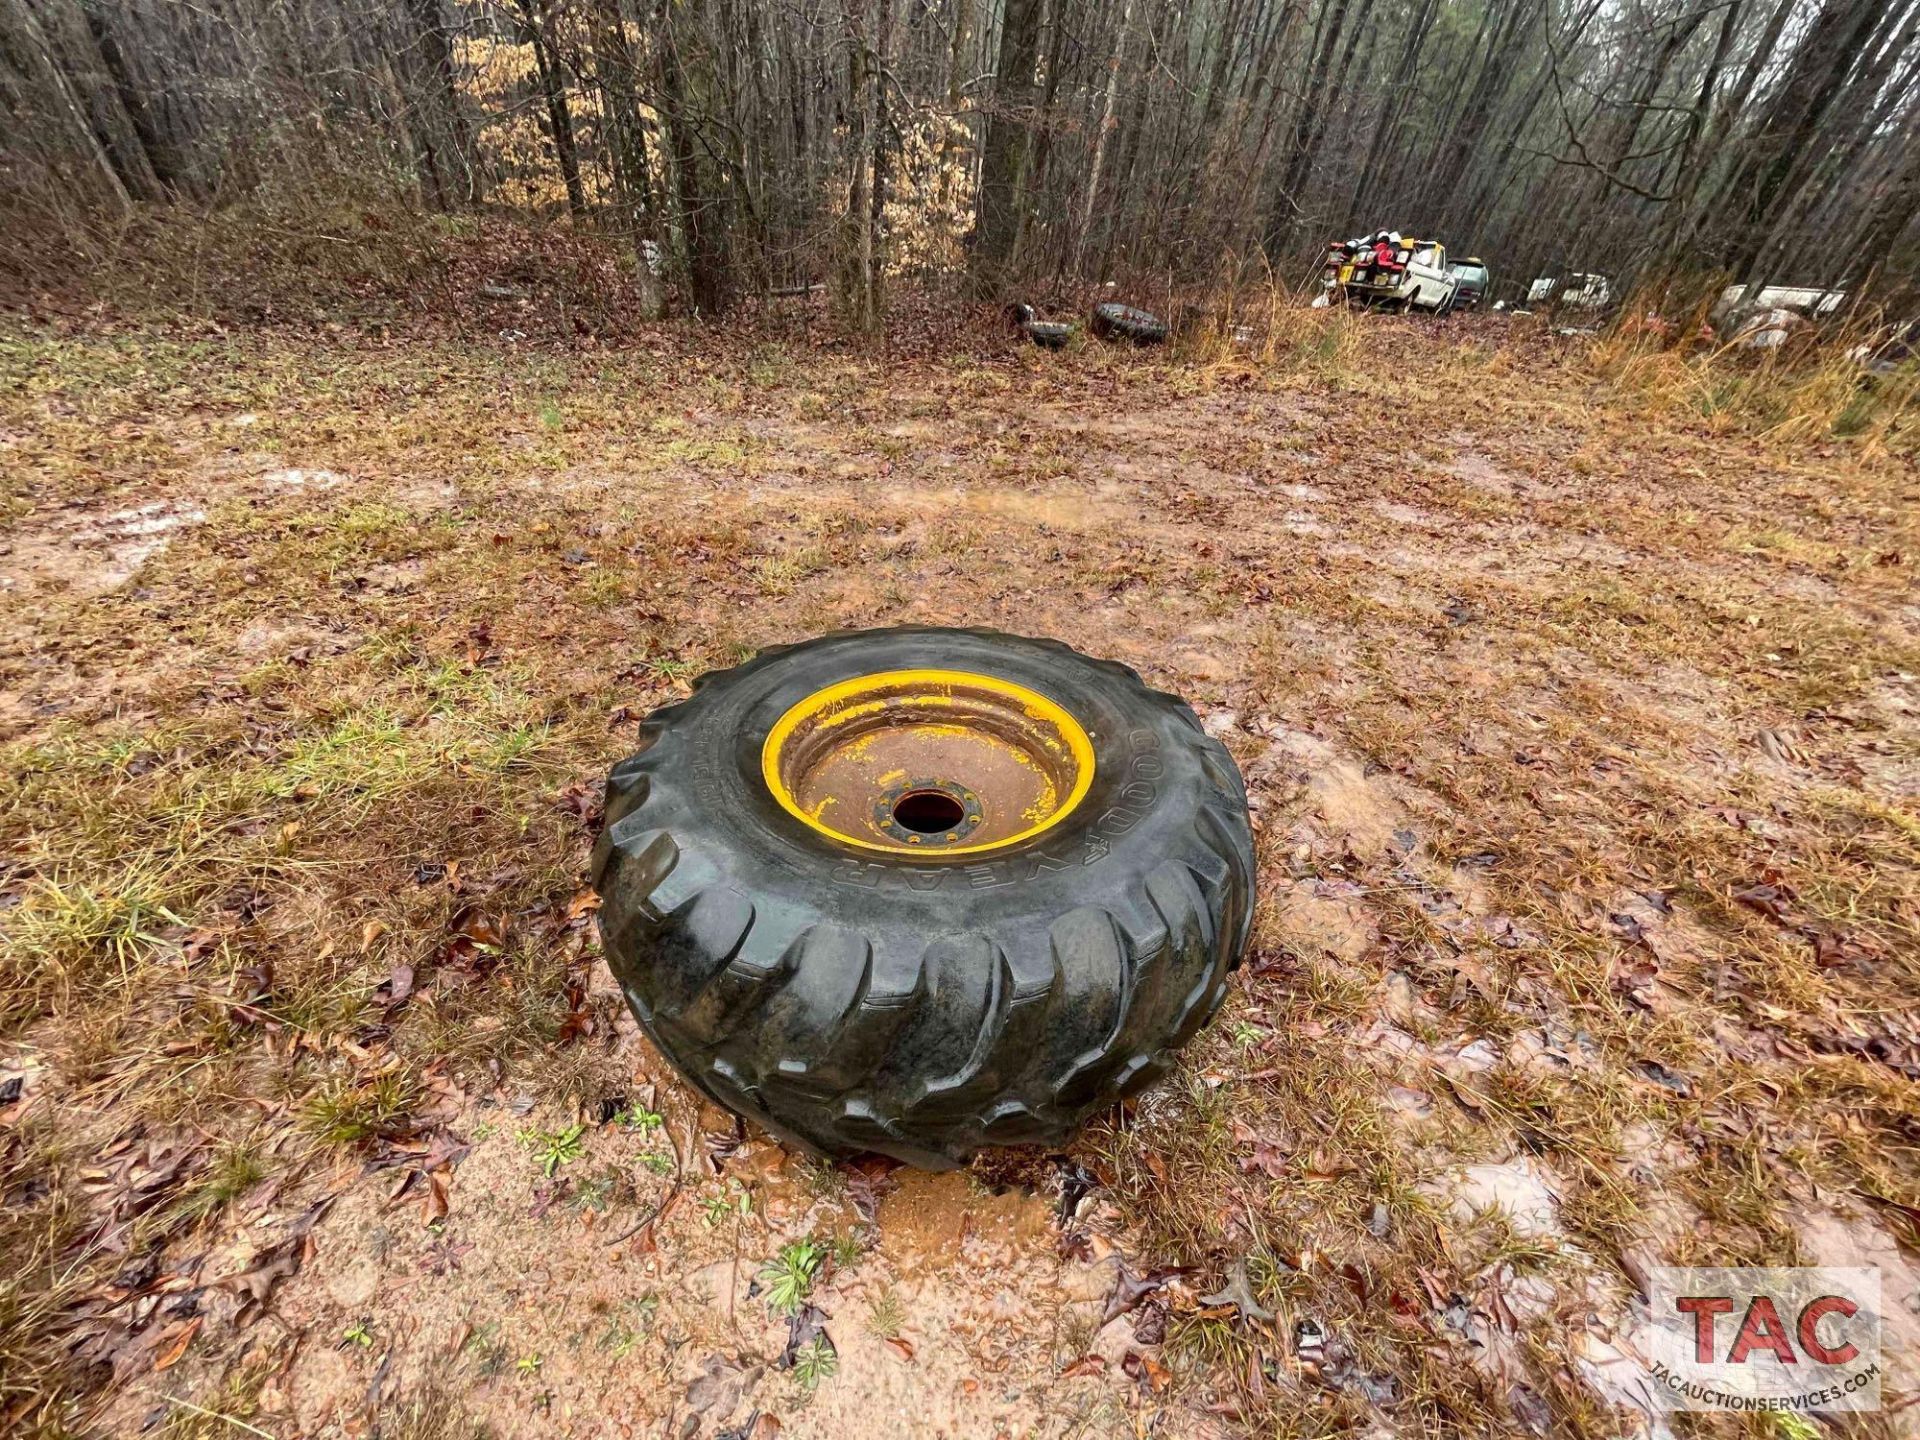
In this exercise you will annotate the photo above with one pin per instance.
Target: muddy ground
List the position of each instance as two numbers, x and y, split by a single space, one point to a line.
1583 736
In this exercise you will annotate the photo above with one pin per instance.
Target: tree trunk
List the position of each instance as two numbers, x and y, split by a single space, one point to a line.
616 70
874 256
1892 212
951 139
1466 134
1102 134
1033 181
435 69
853 291
699 192
28 50
154 172
537 14
1003 158
1132 132
1398 93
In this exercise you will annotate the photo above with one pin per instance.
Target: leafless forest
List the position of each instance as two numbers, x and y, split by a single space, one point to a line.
768 144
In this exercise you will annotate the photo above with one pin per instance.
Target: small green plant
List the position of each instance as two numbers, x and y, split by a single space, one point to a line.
489 1352
666 668
638 1117
629 1325
360 1333
789 1276
65 927
720 1208
767 365
554 1148
813 1362
516 746
234 1171
597 1192
847 1249
346 1110
1206 1341
886 1315
529 1364
602 588
822 1178
658 1164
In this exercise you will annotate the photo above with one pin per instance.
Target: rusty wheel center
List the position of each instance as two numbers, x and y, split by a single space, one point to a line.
928 761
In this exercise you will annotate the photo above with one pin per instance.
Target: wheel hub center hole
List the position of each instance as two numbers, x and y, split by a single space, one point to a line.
928 812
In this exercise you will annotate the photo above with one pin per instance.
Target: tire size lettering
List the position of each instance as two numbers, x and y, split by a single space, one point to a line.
706 783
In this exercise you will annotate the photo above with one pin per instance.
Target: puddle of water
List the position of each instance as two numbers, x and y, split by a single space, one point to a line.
91 554
298 479
1402 514
1478 470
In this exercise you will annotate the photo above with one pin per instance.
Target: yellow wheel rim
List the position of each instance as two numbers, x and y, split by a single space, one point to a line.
928 762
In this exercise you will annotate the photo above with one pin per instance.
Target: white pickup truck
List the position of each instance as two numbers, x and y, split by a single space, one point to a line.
1391 270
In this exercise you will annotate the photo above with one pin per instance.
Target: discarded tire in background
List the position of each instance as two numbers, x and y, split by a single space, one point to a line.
916 891
1047 334
1124 322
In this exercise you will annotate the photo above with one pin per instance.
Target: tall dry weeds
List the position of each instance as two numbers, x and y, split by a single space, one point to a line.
1813 385
1664 358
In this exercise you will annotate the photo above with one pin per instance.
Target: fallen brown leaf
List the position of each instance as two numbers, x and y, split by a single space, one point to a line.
470 924
198 943
171 1355
1267 1158
392 992
275 1263
868 1179
1130 1289
1143 1368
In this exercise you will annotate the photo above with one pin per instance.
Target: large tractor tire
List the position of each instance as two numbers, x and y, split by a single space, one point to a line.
916 891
